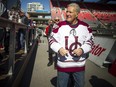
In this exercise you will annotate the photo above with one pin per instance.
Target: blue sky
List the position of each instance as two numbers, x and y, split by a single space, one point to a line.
44 2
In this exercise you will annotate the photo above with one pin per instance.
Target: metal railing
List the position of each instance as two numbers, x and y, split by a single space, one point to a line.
13 28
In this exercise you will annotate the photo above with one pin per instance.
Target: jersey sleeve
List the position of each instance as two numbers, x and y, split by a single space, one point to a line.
54 40
87 46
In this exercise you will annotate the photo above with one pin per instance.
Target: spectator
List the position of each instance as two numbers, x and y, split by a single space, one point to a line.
56 21
48 31
21 32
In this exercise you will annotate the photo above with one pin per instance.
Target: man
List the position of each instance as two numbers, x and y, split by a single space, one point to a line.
51 24
72 40
48 31
21 32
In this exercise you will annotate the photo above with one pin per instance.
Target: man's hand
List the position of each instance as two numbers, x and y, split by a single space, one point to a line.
78 52
63 52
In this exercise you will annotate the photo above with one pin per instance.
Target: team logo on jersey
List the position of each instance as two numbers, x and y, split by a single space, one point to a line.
72 46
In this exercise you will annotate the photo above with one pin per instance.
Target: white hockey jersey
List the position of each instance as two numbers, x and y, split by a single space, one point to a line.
71 37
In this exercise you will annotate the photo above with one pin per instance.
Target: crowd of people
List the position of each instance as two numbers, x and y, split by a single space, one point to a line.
16 16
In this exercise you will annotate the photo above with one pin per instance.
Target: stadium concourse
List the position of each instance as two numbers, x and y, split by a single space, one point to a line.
33 70
102 18
44 76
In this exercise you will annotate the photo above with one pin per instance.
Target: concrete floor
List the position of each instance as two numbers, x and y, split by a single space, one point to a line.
44 76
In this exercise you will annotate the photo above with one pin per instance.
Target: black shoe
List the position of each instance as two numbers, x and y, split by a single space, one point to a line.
50 63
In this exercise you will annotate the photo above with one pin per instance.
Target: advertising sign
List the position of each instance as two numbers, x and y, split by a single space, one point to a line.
101 49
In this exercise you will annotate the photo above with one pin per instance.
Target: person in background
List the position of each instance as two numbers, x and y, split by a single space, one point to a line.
21 32
48 31
4 32
51 25
56 21
72 40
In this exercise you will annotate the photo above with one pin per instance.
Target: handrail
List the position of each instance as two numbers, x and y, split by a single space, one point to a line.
7 23
13 27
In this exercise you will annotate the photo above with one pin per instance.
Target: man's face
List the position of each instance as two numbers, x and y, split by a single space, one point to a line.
71 14
56 20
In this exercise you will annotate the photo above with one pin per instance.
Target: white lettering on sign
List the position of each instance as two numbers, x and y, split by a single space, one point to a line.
97 50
